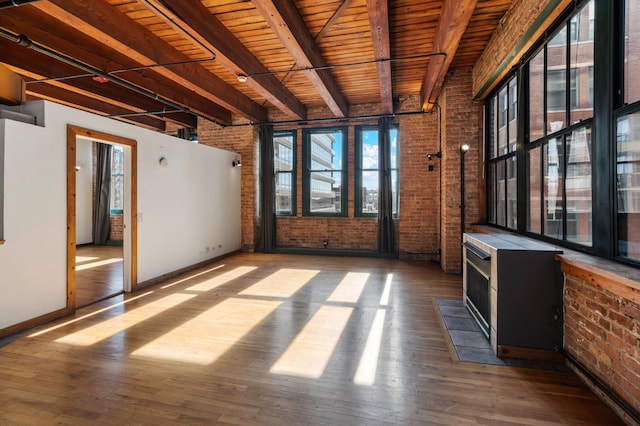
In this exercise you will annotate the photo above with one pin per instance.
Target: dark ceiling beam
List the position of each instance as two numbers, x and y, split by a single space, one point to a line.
37 66
79 101
230 52
107 24
59 37
285 20
454 19
379 21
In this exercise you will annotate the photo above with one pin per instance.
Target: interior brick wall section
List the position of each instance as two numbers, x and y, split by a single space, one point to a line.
602 333
116 233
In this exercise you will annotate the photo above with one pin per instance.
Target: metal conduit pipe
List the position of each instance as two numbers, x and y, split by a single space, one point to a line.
26 42
15 3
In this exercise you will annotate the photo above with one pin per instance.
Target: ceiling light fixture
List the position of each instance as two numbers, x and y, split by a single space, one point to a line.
242 78
99 79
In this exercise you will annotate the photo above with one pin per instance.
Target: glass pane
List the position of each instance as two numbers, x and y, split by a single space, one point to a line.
369 158
283 152
503 120
632 51
395 190
283 193
326 151
492 117
491 196
500 194
117 178
534 220
552 164
513 114
536 97
394 148
581 66
578 186
369 192
628 181
325 192
556 82
512 193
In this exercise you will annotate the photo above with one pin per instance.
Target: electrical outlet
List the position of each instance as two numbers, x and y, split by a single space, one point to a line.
325 243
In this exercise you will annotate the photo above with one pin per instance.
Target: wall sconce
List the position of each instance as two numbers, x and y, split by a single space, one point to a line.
78 168
163 161
463 150
236 163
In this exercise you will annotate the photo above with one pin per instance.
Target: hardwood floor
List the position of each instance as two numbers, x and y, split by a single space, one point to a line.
99 273
277 339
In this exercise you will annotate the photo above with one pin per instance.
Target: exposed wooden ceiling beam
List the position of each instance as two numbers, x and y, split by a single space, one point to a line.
379 19
231 52
105 23
60 38
285 20
38 66
454 19
79 101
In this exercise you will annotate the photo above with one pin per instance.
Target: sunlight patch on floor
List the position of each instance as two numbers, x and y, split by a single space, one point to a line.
350 288
311 350
384 299
191 277
82 259
99 263
283 283
229 276
208 336
83 317
105 329
368 366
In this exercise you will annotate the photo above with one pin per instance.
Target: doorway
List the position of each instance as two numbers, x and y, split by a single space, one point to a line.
100 269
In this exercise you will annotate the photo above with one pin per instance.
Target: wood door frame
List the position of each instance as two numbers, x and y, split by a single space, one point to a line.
73 132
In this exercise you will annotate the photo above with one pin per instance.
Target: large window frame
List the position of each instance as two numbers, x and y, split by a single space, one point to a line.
367 162
284 166
318 181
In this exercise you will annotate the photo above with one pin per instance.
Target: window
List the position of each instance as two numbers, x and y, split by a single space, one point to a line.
117 179
1 190
324 173
284 165
557 180
502 173
368 168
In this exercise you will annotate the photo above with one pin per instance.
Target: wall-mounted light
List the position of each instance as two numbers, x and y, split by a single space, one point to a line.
163 161
236 163
435 154
464 147
78 168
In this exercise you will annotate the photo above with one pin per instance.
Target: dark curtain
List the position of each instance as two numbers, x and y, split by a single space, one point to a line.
101 209
386 241
267 232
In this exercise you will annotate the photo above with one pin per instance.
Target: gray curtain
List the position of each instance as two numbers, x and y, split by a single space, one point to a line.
101 209
267 232
386 240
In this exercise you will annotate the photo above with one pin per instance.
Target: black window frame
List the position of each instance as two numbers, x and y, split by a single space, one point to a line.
293 172
307 171
358 170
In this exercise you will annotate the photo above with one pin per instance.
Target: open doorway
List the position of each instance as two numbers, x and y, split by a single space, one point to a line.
101 203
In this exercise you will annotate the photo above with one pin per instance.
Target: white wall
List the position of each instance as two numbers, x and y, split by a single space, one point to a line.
84 192
189 211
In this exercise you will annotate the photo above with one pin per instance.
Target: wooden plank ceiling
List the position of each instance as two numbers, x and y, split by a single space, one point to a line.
153 62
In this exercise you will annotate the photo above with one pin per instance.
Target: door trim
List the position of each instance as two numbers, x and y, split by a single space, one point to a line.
72 133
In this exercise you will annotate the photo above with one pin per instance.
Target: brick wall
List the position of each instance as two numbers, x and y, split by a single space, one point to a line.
461 125
601 332
116 232
418 231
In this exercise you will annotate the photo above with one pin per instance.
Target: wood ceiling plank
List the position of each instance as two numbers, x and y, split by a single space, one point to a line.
285 20
454 19
379 22
107 24
231 52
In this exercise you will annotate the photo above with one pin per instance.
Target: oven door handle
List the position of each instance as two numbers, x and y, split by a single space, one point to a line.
475 250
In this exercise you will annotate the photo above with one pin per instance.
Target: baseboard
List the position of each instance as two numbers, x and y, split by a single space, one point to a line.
34 322
530 353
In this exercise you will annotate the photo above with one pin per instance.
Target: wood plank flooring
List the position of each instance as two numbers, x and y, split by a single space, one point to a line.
99 273
277 340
